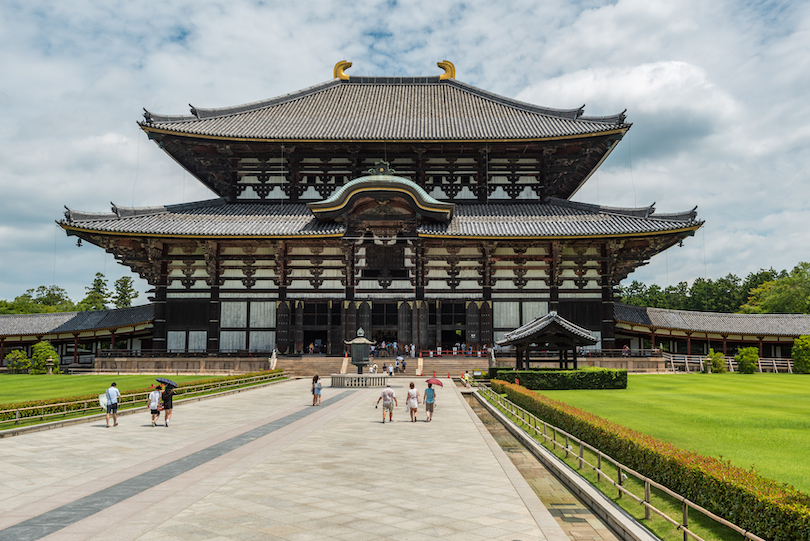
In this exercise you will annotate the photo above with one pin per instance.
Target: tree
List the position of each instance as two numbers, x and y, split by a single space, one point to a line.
747 360
40 353
785 295
717 360
17 361
801 354
43 299
124 292
97 295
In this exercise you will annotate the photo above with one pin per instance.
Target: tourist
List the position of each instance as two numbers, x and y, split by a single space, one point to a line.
112 404
466 378
168 394
626 351
391 370
374 368
403 366
389 399
316 390
413 350
430 401
154 404
413 402
397 368
395 346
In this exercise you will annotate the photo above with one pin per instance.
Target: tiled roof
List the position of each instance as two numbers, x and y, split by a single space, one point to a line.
66 322
713 322
387 108
545 324
557 217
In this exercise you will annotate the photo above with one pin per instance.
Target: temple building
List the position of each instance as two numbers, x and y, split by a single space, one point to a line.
421 209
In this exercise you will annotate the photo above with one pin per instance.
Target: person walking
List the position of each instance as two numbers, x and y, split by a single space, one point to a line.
430 400
391 370
389 400
316 390
403 366
113 394
168 395
413 401
154 403
374 368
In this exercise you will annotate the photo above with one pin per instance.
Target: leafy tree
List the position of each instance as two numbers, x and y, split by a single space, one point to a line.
17 361
801 354
124 292
717 360
43 299
785 295
747 360
41 352
97 295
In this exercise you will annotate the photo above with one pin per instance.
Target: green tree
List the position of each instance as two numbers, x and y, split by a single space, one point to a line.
17 361
801 354
785 295
40 353
747 360
717 360
97 295
124 292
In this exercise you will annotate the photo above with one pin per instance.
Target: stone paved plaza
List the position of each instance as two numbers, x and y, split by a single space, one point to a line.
264 464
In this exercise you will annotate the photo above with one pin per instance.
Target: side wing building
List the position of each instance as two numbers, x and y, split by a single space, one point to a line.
422 209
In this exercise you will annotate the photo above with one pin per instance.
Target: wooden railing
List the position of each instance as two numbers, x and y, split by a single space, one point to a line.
677 362
62 409
151 353
568 444
553 355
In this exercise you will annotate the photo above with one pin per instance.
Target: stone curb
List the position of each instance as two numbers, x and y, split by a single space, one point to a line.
623 525
9 432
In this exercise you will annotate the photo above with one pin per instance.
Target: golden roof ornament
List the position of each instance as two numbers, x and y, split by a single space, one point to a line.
340 68
449 70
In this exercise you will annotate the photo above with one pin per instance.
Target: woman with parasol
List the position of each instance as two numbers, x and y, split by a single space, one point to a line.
167 396
430 398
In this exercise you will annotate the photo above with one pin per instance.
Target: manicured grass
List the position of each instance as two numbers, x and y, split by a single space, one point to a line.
23 387
759 421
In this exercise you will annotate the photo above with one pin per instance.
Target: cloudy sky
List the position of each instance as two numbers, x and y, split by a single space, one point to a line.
717 92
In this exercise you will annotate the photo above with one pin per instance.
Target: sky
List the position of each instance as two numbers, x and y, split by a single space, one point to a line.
717 93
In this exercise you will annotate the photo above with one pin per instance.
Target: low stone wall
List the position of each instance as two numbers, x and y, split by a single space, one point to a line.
359 380
182 365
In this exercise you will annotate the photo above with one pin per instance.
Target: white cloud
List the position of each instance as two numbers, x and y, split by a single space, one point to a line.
716 91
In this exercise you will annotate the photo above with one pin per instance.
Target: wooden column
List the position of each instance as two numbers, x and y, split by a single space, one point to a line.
608 326
760 338
688 343
574 352
299 326
2 350
725 336
75 348
652 339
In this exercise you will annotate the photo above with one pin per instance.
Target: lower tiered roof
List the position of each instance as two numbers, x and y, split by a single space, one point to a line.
555 218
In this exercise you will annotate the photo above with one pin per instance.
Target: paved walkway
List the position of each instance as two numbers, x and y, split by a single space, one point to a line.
266 465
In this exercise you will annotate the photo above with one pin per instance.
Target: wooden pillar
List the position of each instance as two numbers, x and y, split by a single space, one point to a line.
75 348
299 326
724 343
608 327
688 343
2 350
112 339
760 338
574 352
652 339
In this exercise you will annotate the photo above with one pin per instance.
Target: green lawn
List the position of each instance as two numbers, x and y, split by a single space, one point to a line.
24 387
757 420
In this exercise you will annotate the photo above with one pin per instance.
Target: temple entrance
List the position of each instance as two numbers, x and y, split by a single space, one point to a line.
315 341
384 319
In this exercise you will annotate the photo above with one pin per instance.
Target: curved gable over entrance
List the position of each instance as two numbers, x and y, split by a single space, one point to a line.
382 194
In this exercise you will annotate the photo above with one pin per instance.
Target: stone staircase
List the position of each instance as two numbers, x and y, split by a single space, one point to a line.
307 366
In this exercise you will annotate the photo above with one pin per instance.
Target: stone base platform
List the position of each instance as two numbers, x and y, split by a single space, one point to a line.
359 380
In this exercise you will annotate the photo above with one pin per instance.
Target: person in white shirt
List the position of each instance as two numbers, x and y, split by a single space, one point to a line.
389 400
112 404
154 403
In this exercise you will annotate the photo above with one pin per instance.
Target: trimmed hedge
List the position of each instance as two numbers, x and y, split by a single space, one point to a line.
555 379
9 415
769 509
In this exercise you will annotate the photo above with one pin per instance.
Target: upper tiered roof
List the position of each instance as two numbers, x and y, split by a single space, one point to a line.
386 109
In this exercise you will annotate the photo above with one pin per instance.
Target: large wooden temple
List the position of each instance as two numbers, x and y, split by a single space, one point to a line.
421 209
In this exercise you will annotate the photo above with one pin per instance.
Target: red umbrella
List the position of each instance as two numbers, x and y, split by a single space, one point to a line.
434 381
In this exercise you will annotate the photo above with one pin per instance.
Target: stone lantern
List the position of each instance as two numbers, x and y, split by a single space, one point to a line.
360 349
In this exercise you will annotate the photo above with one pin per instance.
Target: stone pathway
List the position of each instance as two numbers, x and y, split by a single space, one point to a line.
574 518
263 464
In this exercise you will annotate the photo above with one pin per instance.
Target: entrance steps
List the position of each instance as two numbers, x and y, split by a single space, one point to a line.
309 365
